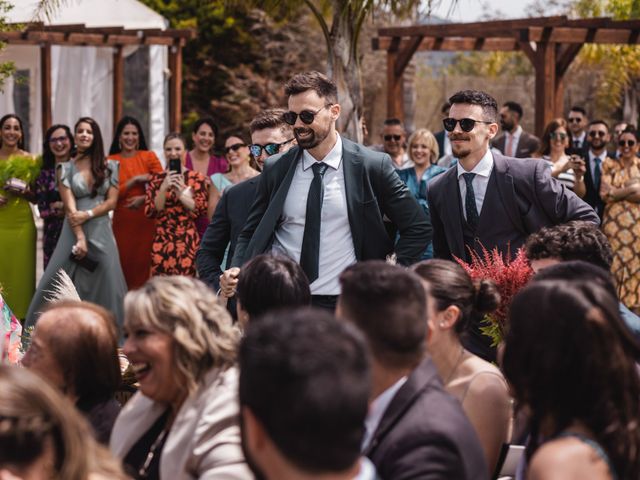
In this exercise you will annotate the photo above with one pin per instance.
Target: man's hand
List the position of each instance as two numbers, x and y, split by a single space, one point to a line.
229 282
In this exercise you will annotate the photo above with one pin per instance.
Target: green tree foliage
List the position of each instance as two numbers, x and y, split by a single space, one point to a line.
6 68
239 60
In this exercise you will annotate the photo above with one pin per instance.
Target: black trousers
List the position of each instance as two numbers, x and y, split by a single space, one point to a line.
326 302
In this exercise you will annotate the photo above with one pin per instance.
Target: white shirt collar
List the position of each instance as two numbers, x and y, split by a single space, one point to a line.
377 409
516 134
580 138
483 168
333 158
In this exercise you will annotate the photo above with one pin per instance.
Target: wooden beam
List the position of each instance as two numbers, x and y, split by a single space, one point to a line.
583 35
545 67
118 84
565 55
454 44
502 27
405 54
175 88
45 85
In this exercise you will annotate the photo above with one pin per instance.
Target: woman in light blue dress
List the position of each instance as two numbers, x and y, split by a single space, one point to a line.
86 249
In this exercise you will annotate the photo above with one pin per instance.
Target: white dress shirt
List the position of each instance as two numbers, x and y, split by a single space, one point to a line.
336 243
447 146
480 181
515 139
377 409
581 139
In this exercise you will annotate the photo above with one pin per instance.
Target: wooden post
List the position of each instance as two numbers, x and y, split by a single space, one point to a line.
545 66
175 87
395 88
45 79
118 83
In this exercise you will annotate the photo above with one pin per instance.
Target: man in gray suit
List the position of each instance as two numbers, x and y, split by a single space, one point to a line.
514 141
322 203
490 200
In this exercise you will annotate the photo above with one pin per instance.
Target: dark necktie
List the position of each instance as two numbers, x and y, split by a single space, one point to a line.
311 237
470 202
576 144
596 173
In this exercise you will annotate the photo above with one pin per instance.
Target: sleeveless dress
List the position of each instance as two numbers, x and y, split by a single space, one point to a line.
133 230
105 285
17 245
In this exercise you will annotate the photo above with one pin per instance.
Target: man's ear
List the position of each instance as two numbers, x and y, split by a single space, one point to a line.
335 110
254 433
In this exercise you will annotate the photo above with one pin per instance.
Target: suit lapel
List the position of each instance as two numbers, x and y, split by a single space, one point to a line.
506 190
422 375
452 219
352 167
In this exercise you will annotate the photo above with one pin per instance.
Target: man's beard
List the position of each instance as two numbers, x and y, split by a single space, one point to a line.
506 125
459 151
312 140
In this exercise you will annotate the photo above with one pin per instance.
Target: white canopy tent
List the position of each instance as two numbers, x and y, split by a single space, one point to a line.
87 43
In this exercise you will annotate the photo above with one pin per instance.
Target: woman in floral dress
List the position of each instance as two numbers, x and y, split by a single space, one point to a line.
176 200
620 189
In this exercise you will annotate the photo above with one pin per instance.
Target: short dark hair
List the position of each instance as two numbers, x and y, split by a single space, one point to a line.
269 118
305 376
445 107
124 121
514 107
579 109
392 122
450 284
313 80
388 303
576 240
206 120
269 282
477 97
599 122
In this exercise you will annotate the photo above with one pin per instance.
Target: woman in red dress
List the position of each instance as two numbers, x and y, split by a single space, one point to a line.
133 230
176 199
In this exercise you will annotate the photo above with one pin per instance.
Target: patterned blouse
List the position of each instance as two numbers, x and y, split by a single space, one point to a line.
47 194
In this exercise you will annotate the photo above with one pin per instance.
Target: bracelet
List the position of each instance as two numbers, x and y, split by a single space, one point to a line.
90 213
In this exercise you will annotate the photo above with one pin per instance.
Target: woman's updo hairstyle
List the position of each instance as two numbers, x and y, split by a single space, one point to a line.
450 284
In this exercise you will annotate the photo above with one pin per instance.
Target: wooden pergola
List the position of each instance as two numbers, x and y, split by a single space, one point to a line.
115 37
550 43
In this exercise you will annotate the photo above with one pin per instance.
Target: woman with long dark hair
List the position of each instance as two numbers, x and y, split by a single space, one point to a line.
57 148
133 230
571 364
86 249
18 171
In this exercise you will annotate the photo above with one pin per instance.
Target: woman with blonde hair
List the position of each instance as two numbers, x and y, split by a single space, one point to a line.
424 153
184 420
42 435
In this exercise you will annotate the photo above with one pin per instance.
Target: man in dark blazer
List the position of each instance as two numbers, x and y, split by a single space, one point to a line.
270 134
414 428
490 200
322 203
514 141
594 156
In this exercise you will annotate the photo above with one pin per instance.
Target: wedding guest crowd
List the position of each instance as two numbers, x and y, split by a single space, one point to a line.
339 328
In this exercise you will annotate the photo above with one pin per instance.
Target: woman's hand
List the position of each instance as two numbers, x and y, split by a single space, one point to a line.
177 181
78 217
79 250
58 209
143 178
135 202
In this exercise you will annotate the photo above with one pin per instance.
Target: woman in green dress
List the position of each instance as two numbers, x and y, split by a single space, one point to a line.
18 169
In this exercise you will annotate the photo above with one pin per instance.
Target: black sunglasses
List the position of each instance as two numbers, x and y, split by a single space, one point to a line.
574 119
388 138
557 136
626 143
600 134
270 148
307 116
235 147
466 124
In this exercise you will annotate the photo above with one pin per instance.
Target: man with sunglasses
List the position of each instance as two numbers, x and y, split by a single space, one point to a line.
270 135
322 203
577 120
394 138
597 137
490 200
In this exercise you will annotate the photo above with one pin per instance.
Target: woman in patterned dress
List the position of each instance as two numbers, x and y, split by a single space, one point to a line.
57 147
620 190
176 201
